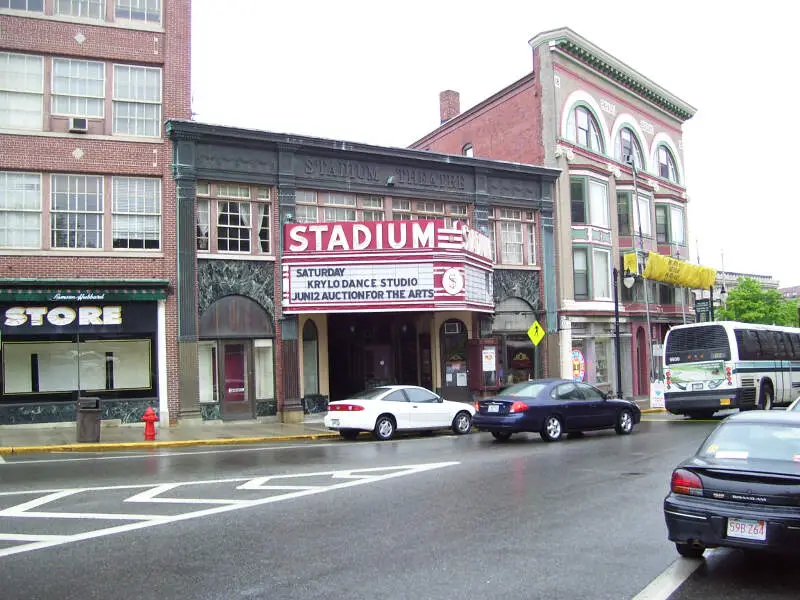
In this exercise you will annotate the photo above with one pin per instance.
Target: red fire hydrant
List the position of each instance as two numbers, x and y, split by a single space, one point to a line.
150 417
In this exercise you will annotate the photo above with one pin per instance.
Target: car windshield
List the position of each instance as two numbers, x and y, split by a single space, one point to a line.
370 394
525 388
770 441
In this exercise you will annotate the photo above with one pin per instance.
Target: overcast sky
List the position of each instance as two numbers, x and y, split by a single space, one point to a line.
371 72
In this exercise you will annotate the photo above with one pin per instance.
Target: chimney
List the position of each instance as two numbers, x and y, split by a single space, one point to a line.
449 105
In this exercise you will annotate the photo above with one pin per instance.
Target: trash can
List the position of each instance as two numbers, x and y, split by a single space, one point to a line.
88 420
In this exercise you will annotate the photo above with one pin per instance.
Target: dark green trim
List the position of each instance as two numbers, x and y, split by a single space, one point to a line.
45 290
624 79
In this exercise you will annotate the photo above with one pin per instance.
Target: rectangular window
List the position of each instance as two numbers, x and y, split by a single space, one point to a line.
203 188
401 210
373 215
233 226
76 211
375 202
602 351
233 190
137 101
493 239
20 210
306 214
601 274
677 231
331 199
21 91
511 237
305 197
643 218
577 193
662 224
87 9
136 213
339 214
580 273
434 209
203 225
624 213
666 294
598 205
531 244
148 11
263 227
29 5
78 88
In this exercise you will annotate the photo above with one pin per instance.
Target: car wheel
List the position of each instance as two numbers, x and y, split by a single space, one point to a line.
384 428
765 400
690 550
349 434
624 422
552 430
501 436
462 423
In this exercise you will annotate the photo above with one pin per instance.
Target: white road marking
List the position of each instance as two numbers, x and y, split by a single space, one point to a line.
662 587
161 454
2 460
25 537
353 477
150 496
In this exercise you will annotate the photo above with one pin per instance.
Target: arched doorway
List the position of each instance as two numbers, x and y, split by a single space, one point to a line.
453 339
642 364
235 356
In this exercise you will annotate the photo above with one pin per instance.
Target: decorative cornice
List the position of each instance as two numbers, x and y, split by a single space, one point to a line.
582 50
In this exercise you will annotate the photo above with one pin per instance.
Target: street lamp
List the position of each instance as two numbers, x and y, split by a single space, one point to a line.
616 332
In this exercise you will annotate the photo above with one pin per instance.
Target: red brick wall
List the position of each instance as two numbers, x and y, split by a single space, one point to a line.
46 154
506 127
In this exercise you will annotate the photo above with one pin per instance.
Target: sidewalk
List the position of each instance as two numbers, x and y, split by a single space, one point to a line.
25 439
19 439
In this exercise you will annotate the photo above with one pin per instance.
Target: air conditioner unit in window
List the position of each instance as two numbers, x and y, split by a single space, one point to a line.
452 328
78 125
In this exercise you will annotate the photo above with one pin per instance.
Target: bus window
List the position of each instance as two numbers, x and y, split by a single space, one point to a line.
780 339
749 348
769 347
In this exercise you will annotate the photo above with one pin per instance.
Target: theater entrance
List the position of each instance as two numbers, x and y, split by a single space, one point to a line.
372 349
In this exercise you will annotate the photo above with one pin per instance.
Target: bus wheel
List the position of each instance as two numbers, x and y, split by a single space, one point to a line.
765 400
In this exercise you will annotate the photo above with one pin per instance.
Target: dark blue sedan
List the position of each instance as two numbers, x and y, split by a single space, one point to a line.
551 408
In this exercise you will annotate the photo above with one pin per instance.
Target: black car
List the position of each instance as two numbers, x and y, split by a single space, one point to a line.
741 488
551 408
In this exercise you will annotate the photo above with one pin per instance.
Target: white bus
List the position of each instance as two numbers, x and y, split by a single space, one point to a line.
725 364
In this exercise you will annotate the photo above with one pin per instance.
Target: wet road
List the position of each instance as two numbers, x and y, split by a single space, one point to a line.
441 517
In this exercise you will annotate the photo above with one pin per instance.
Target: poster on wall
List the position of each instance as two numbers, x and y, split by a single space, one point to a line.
578 365
488 359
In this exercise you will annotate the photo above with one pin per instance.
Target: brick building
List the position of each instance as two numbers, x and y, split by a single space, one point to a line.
616 136
87 205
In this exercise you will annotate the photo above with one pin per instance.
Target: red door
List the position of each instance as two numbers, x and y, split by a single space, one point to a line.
235 397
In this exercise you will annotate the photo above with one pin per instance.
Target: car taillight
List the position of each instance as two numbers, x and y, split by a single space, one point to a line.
686 482
477 406
728 375
518 407
344 407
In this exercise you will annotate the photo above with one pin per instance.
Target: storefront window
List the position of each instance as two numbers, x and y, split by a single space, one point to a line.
310 359
207 367
602 350
265 373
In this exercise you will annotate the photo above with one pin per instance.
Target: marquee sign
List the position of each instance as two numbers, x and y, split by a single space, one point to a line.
385 266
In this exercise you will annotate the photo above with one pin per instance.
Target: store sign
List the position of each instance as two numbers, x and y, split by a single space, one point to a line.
60 316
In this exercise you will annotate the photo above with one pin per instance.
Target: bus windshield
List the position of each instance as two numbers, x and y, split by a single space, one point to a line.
697 344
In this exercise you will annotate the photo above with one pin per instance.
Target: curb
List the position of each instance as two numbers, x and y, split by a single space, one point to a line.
653 410
106 447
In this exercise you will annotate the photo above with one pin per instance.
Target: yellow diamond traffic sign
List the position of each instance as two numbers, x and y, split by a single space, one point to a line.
536 333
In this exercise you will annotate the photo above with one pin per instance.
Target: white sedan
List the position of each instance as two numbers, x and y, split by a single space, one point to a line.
387 409
794 405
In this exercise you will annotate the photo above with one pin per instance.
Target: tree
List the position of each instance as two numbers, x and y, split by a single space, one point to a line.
748 302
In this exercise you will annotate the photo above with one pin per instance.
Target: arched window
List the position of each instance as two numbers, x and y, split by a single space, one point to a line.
310 359
627 144
582 128
467 150
666 165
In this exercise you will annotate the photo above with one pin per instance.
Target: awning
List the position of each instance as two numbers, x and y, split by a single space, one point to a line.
85 290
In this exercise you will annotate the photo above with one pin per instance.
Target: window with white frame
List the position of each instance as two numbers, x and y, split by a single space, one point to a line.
306 206
87 9
401 210
677 229
76 211
21 91
372 207
531 227
339 207
137 101
429 210
513 230
511 243
241 216
643 217
580 273
627 144
666 164
29 5
601 274
595 212
136 213
78 88
467 150
457 213
582 128
662 223
148 11
20 210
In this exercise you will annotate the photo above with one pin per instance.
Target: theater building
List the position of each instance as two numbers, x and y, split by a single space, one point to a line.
311 269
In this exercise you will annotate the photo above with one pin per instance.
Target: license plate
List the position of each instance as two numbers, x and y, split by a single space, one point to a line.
493 408
697 386
725 402
747 529
334 422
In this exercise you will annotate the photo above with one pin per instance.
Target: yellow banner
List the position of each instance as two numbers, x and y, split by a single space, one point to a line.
629 262
678 272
